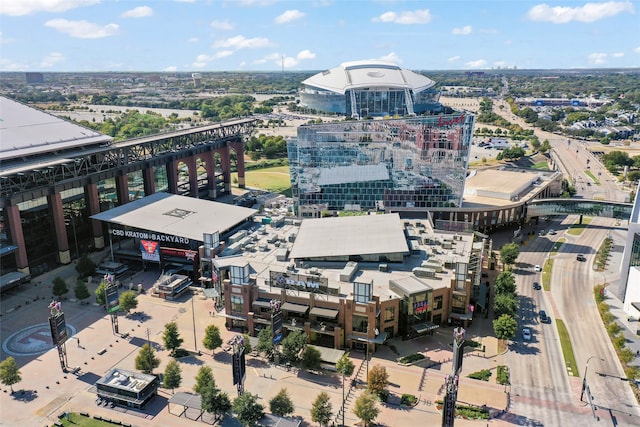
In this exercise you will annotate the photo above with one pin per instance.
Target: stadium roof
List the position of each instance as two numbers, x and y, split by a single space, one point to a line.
363 74
26 131
177 215
350 235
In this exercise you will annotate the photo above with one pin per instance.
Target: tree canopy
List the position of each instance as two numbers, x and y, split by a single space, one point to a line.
366 408
505 327
247 409
9 372
128 300
172 375
281 404
146 360
321 409
212 339
171 337
509 253
378 379
311 358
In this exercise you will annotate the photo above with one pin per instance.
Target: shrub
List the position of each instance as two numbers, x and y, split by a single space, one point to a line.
408 399
483 375
411 358
613 329
472 412
503 375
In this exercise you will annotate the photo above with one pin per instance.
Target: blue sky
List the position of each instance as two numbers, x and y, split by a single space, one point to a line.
265 35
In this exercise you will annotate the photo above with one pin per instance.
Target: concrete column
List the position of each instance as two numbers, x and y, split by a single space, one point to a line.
337 338
93 204
172 176
210 166
193 175
149 180
12 215
238 147
55 203
122 189
226 167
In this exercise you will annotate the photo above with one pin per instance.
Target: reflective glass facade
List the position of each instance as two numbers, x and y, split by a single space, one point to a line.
415 162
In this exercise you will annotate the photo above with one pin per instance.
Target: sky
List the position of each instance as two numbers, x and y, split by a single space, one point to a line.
272 35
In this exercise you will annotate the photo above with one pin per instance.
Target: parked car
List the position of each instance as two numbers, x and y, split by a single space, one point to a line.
526 334
552 231
581 257
543 317
536 286
537 268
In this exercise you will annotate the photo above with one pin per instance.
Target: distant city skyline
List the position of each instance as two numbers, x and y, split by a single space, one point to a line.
272 35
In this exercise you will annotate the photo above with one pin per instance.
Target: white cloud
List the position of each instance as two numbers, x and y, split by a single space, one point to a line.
83 29
138 12
617 54
222 25
5 40
201 61
170 69
27 7
289 16
193 40
240 42
306 54
222 54
478 63
286 61
52 59
8 65
251 3
637 49
590 12
391 57
462 31
406 17
454 58
597 58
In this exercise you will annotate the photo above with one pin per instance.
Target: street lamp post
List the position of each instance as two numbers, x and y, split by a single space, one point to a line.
584 379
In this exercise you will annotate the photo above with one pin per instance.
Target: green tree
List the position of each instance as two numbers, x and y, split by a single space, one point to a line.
505 304
9 372
171 337
128 300
505 283
101 298
215 401
321 410
281 404
59 287
247 409
505 327
247 344
378 380
172 375
204 379
212 339
345 366
85 266
146 360
311 359
366 408
265 341
292 344
81 290
509 253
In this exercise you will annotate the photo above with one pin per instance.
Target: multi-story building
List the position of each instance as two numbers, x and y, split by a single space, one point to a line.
352 281
418 162
630 265
370 89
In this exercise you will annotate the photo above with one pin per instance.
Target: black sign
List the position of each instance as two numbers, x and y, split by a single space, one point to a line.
112 298
58 329
239 368
276 326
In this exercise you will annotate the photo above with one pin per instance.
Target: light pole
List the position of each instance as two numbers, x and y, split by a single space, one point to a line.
584 379
193 316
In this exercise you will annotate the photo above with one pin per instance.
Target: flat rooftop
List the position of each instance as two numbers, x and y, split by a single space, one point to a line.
26 131
175 215
349 235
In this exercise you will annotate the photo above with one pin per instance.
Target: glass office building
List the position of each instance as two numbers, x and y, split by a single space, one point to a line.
418 162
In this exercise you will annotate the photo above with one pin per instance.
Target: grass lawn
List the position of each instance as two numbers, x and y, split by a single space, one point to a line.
546 275
541 165
577 229
274 179
79 420
593 177
567 349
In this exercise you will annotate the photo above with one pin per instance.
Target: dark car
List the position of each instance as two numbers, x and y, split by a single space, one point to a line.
536 286
544 318
581 257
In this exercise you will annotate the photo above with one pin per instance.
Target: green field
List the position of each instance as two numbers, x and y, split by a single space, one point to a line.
276 179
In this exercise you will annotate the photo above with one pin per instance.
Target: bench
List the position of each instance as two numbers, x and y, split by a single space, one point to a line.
102 351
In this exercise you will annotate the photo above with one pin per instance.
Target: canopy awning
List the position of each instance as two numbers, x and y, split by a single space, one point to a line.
421 328
324 312
379 339
264 303
462 316
232 316
210 293
296 308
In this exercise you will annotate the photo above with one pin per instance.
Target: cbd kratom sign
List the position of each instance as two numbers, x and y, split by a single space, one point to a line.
301 282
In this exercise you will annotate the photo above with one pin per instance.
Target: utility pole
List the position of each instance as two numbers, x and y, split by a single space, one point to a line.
193 315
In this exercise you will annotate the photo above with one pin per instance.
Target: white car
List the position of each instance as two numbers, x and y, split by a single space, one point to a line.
526 334
537 268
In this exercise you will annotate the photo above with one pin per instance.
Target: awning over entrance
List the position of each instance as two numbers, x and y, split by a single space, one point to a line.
465 316
329 355
232 316
324 312
422 328
263 303
295 308
379 339
210 293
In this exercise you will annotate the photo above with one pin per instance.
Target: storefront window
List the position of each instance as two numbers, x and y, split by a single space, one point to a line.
437 302
389 314
360 324
237 304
